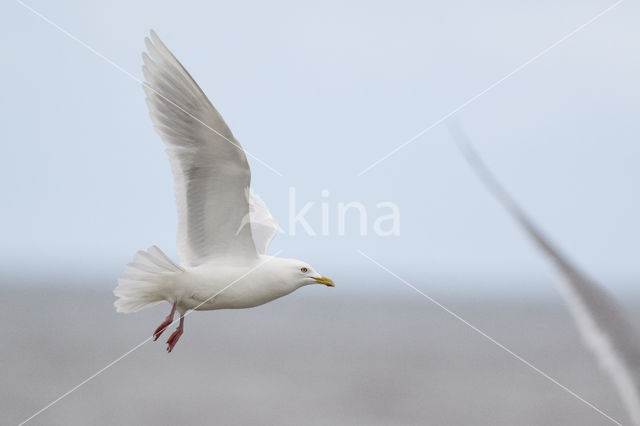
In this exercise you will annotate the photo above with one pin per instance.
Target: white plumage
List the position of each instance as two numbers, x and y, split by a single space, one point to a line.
605 328
210 169
223 230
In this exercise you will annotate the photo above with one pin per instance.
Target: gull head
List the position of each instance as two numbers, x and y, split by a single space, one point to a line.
300 273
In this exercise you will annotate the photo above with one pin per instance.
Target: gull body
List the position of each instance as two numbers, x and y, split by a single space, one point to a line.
221 284
223 230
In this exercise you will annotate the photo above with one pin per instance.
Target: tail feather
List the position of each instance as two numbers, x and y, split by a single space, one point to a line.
159 255
143 282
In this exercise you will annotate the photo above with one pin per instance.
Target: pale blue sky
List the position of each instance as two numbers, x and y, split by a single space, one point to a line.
320 91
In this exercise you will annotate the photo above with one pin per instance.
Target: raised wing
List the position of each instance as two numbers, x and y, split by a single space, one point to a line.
264 227
210 169
603 324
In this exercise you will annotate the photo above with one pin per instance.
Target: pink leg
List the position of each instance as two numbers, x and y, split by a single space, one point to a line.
168 320
173 339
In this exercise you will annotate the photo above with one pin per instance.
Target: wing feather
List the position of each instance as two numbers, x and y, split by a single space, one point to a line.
603 324
210 168
264 226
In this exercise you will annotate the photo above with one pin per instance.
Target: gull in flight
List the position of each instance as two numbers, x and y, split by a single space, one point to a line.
223 230
603 324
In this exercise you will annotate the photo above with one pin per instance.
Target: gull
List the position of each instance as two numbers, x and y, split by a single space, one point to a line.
601 321
223 230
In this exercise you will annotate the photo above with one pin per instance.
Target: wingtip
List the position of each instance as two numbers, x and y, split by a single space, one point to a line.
154 36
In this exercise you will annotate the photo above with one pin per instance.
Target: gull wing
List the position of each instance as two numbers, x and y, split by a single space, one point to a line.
210 169
602 323
264 227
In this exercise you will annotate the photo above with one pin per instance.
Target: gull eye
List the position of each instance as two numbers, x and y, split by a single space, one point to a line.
303 270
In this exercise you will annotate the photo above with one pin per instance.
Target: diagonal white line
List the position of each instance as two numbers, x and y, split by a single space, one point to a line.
491 87
136 347
88 379
144 83
491 339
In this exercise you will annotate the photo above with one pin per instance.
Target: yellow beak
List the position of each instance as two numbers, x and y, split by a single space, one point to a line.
325 280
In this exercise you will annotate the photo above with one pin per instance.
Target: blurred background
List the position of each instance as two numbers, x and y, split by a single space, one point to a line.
320 92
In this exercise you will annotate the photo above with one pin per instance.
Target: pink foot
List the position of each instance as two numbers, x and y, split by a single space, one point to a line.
173 339
168 320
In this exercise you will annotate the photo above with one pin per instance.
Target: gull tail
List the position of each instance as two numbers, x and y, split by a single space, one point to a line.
604 327
145 281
